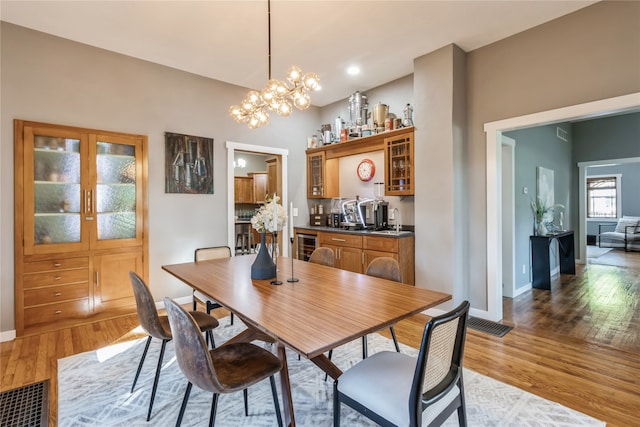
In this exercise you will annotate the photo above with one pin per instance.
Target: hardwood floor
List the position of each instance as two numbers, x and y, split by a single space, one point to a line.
577 345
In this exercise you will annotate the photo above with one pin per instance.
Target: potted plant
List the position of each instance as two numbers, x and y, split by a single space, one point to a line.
543 215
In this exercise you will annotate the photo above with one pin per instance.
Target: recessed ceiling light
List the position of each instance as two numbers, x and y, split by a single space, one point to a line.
353 70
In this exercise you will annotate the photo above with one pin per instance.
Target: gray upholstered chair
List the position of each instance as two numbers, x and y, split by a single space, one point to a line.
395 389
323 256
203 254
384 268
226 369
157 326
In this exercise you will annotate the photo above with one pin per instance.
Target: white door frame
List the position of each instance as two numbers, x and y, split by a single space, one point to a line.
493 130
508 217
582 196
232 147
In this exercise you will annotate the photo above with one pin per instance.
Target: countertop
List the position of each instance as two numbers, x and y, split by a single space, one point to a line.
383 233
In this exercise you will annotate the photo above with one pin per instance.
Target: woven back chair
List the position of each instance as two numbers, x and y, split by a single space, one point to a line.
394 389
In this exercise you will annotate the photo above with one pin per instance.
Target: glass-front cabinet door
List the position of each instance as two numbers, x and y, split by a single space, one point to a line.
55 180
116 196
82 191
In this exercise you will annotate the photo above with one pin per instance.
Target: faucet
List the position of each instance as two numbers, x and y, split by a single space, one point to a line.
396 212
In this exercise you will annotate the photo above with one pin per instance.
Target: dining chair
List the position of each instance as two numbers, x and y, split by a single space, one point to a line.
395 389
323 256
226 369
384 268
203 254
157 326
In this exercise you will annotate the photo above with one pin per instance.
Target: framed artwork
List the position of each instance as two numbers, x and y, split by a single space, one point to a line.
545 186
188 164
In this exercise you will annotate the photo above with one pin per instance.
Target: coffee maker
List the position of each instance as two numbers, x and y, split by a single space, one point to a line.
380 208
380 214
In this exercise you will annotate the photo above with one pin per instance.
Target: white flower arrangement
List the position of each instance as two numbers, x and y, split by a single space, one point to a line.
542 212
271 217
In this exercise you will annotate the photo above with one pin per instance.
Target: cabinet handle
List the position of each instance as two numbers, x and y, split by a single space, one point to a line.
57 278
58 311
84 201
97 279
57 294
93 203
335 239
57 264
362 257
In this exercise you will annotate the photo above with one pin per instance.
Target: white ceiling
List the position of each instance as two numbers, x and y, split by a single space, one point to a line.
227 40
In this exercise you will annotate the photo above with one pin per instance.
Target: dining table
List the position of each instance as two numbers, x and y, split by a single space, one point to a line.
325 308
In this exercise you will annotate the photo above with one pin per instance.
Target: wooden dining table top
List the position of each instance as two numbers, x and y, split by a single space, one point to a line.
325 308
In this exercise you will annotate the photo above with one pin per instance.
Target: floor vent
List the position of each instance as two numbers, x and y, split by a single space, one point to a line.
488 326
25 406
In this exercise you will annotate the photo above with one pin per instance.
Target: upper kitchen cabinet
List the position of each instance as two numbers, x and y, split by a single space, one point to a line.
322 176
398 159
322 163
260 183
274 181
80 201
243 190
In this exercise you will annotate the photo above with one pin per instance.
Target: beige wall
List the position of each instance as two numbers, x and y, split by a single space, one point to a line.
53 80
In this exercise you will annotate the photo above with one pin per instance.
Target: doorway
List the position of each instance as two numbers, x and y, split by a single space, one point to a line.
282 156
494 202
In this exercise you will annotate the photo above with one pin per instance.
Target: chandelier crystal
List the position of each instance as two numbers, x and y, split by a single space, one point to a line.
277 96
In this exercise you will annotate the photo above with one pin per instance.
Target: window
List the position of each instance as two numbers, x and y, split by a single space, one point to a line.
603 196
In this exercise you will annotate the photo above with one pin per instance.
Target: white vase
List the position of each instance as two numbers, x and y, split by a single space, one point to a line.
541 230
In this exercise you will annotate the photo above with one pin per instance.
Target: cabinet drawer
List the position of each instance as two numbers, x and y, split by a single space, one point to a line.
52 313
39 280
56 264
386 244
54 294
339 239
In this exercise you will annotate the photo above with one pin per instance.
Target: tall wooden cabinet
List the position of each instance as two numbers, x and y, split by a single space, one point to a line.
80 224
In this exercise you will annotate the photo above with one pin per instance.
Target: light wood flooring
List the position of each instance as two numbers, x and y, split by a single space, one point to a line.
577 345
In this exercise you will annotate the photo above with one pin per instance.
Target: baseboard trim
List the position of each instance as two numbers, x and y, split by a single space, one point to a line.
7 335
522 289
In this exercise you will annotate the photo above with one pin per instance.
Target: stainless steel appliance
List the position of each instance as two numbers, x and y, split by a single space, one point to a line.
305 245
357 109
380 214
355 213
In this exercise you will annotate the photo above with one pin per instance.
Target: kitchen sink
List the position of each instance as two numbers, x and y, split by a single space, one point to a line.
387 232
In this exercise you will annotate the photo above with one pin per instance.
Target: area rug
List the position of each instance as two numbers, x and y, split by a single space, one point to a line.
595 251
94 390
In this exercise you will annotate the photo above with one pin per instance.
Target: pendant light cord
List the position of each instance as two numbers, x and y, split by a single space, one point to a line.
269 30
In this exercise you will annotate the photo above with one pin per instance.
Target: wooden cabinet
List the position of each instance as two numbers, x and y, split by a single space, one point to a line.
243 189
401 249
260 182
80 196
354 252
322 176
274 184
322 163
398 159
347 249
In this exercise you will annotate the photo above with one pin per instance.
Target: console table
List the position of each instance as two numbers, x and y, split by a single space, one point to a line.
541 266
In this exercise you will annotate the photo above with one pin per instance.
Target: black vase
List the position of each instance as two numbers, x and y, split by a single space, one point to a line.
263 267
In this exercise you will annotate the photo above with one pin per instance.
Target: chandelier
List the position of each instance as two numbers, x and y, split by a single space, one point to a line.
277 95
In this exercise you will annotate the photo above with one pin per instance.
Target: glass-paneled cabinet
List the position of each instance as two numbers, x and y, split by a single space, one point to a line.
80 216
398 159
